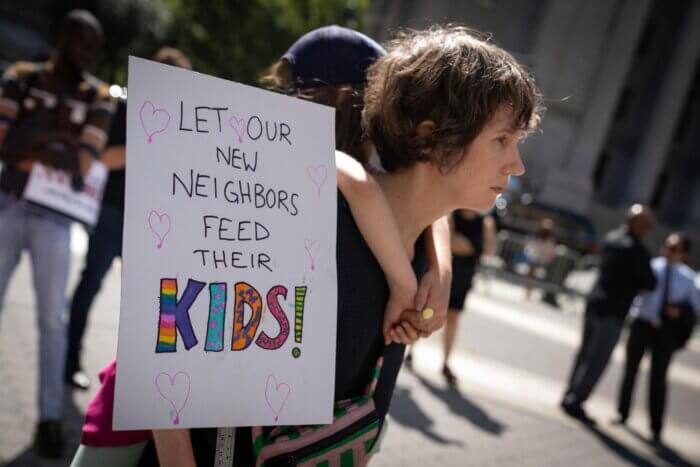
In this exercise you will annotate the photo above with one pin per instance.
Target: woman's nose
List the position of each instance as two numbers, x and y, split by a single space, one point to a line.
515 166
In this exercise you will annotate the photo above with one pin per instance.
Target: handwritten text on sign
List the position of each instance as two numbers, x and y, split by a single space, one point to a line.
229 286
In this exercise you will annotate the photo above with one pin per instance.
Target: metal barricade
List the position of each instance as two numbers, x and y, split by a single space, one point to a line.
568 276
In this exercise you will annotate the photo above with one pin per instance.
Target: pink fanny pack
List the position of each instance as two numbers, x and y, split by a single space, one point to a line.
97 429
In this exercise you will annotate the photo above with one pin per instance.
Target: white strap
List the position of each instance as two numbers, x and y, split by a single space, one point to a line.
225 444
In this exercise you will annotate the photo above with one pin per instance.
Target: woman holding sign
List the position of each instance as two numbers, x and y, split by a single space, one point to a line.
365 199
446 110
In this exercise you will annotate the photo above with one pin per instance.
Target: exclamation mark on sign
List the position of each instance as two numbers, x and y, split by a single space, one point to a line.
299 298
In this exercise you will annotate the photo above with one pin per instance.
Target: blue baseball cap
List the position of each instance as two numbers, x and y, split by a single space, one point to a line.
331 55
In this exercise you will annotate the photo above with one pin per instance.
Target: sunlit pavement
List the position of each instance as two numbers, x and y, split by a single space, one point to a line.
512 358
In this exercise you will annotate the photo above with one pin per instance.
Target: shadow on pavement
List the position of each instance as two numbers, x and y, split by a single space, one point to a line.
460 405
663 452
72 427
618 448
405 411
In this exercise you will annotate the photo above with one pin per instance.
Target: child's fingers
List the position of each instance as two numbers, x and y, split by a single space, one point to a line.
401 335
410 331
395 337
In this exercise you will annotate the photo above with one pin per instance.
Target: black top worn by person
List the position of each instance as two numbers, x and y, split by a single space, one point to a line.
114 189
625 271
362 296
464 266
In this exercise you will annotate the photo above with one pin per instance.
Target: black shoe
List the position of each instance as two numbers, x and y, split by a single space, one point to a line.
49 439
577 412
78 379
619 420
449 376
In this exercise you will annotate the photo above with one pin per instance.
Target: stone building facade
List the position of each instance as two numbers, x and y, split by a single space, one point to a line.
621 80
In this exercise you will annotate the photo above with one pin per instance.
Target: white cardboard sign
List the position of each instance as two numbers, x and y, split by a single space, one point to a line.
229 294
52 189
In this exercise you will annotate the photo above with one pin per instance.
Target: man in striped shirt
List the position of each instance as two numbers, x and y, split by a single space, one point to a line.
57 114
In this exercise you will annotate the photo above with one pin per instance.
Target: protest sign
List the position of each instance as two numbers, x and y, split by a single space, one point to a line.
229 294
52 188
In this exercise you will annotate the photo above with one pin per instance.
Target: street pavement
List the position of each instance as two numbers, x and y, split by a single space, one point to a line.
512 358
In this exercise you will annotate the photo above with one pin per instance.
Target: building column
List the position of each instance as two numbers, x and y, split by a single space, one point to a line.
656 143
570 182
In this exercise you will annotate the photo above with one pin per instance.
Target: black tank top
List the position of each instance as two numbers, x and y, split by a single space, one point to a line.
473 229
362 296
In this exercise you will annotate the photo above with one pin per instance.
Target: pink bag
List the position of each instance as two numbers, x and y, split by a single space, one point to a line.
97 429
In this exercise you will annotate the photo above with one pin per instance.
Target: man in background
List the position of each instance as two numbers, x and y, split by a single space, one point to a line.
56 113
105 242
663 322
624 272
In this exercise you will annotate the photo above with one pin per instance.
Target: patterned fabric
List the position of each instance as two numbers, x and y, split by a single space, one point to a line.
30 107
86 110
346 442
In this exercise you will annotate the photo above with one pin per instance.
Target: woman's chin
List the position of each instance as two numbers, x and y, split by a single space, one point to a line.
479 206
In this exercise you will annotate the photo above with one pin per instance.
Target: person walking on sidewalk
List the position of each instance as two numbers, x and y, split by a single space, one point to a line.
106 238
57 113
663 321
473 234
624 272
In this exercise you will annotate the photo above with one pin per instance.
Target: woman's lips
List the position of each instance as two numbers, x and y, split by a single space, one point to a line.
496 189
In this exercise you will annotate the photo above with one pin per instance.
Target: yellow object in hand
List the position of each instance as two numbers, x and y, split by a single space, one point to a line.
427 313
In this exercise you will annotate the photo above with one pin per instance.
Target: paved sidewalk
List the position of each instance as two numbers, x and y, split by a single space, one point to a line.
429 425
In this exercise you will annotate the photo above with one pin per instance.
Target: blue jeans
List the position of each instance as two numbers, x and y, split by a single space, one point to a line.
47 239
105 245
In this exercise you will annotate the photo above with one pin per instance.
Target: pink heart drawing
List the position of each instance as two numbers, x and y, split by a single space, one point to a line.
175 389
237 125
311 246
153 120
318 175
159 225
276 395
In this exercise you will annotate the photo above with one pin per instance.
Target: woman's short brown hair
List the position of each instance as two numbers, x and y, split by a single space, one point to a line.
452 76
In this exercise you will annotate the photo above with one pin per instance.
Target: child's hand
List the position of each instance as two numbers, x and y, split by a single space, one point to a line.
401 298
427 313
410 328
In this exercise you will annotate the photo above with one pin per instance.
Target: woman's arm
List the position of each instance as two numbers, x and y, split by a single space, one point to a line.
174 448
375 220
434 289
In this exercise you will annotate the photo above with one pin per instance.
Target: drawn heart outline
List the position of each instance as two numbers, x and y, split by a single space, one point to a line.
173 393
237 125
279 391
311 246
318 175
160 227
153 120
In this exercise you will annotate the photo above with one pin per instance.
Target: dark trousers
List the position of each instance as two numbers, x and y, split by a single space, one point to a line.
105 244
643 337
600 335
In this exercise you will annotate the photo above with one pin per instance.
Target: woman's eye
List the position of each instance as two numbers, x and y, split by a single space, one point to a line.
503 140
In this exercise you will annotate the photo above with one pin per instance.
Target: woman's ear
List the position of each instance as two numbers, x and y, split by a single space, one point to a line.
424 133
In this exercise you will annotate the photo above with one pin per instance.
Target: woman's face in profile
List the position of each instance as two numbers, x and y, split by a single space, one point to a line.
483 171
